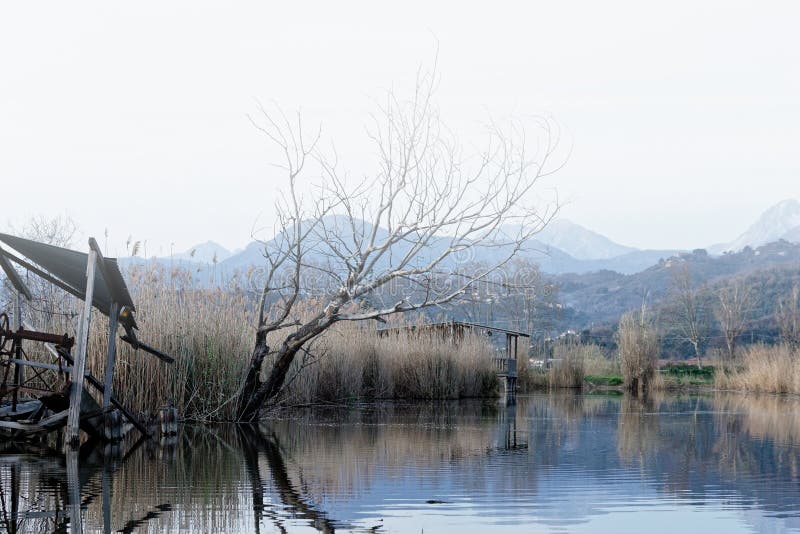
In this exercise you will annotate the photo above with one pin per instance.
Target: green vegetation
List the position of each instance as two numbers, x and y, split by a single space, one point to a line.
603 380
682 374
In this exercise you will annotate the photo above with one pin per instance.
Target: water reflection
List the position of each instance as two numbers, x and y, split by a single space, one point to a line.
549 462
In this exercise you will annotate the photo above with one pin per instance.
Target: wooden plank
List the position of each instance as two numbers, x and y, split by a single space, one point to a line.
45 425
73 421
22 408
42 365
95 383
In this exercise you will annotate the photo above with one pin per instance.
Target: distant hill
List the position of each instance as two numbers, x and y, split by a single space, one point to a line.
562 248
586 251
601 297
208 252
579 242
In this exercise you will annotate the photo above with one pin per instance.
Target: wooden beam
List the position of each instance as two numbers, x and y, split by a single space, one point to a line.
113 318
18 370
96 384
22 408
42 365
45 425
13 276
76 392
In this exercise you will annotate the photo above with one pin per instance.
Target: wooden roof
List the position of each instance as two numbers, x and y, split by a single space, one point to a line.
457 324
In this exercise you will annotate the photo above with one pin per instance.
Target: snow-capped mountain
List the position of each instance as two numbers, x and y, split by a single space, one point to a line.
781 221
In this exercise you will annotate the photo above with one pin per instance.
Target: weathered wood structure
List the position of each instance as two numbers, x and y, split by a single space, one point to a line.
504 358
96 281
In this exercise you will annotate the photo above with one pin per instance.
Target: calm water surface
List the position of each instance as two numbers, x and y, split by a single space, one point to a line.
551 463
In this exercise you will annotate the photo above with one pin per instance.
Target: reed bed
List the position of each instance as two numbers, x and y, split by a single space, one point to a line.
763 369
571 363
352 361
210 334
568 368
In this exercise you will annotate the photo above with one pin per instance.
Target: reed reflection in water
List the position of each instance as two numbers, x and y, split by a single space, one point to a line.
558 462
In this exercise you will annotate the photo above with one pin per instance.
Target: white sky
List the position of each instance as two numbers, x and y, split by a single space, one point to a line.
684 116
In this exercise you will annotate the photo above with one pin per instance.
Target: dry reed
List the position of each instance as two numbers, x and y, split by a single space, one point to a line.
764 369
568 366
638 351
571 363
352 362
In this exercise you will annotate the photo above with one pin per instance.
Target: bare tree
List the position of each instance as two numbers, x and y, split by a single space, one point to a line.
690 317
398 236
48 302
733 308
788 317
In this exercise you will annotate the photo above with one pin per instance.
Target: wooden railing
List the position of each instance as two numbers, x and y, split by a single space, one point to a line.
506 366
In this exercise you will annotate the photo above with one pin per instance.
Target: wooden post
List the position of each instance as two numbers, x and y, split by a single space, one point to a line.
79 368
113 321
18 369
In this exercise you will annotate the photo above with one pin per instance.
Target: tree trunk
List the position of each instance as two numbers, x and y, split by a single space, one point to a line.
270 389
247 410
256 393
697 354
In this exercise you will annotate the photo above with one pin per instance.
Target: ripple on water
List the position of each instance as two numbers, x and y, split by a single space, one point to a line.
550 463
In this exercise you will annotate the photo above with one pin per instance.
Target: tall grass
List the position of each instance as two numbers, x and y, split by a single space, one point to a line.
571 363
568 367
352 362
763 368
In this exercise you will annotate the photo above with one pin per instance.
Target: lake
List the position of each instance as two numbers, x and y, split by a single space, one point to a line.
549 463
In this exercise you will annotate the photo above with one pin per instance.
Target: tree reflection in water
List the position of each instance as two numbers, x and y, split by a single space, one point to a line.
360 468
256 444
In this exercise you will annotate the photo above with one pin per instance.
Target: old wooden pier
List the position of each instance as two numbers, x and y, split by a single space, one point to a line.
34 399
504 357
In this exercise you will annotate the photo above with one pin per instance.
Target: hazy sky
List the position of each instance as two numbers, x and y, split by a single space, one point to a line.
684 116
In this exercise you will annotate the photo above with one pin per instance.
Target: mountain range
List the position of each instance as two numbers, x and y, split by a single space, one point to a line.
562 247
